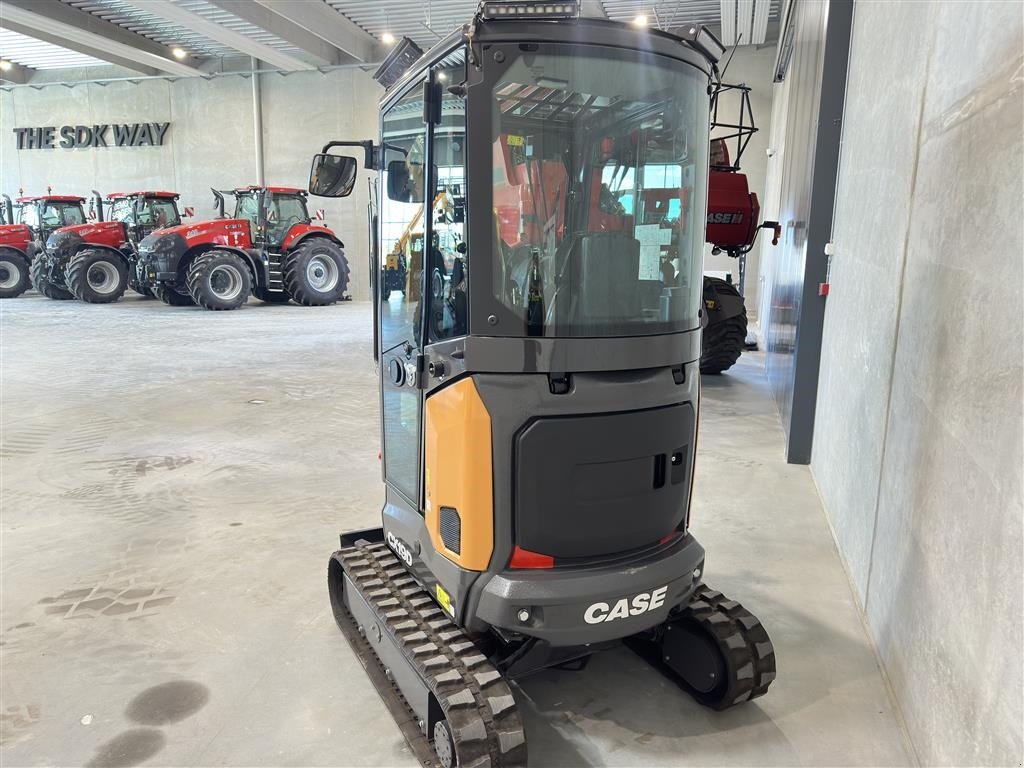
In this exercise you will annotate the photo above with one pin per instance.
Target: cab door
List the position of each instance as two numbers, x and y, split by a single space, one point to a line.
403 226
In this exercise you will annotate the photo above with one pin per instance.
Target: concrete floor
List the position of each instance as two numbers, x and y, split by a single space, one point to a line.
174 480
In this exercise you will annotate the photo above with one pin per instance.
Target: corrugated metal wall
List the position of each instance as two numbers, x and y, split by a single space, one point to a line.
806 129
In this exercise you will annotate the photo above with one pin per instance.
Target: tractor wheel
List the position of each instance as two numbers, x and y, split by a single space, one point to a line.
271 297
139 288
724 338
171 297
316 273
219 280
42 283
14 277
96 277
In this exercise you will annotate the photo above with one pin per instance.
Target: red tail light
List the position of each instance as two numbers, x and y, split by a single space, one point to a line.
524 558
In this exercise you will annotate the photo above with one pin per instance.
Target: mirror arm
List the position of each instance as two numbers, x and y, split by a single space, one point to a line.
371 156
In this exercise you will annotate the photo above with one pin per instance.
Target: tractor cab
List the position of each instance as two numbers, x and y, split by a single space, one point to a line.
46 213
272 212
143 212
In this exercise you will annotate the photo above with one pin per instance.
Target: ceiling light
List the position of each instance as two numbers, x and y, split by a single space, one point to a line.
387 38
5 64
442 76
178 52
640 21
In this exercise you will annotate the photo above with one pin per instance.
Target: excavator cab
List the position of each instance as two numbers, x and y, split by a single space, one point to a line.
539 391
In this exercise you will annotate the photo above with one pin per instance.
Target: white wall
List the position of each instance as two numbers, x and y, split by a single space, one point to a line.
750 65
210 143
918 438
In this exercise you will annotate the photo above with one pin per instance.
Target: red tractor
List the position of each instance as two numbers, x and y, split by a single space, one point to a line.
732 228
15 246
269 248
95 262
21 242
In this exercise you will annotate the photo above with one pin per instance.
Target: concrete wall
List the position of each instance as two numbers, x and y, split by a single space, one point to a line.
918 438
751 65
210 143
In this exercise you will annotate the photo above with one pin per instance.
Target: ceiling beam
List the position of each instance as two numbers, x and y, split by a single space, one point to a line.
326 23
316 47
78 47
54 22
16 74
221 34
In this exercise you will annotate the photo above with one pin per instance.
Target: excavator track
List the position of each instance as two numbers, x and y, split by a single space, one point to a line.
384 612
716 649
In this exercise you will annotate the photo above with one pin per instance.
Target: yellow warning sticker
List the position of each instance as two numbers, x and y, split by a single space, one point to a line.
516 141
444 599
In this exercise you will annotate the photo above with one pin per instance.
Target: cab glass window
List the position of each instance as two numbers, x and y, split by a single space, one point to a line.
599 167
158 212
247 207
449 252
62 214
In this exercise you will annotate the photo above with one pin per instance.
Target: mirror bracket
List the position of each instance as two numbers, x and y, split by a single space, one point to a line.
371 156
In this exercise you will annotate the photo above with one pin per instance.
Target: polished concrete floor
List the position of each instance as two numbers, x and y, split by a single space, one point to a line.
173 481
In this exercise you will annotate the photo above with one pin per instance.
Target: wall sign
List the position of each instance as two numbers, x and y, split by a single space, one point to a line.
81 136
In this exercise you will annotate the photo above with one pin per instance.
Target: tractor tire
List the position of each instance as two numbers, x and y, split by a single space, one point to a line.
723 340
316 273
219 280
271 297
96 277
14 274
44 285
135 285
171 297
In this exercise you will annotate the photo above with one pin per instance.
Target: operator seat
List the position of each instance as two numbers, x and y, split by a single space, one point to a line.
605 273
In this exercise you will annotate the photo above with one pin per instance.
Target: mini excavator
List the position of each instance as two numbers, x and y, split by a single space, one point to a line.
539 396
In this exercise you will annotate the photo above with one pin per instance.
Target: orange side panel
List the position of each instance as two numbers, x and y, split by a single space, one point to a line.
457 441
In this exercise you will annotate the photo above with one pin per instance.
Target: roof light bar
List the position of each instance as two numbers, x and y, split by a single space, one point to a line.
497 9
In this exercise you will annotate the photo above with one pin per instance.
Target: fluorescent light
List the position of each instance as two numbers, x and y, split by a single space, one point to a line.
387 38
179 52
5 65
640 20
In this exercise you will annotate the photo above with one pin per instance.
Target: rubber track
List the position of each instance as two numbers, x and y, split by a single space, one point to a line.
474 696
740 635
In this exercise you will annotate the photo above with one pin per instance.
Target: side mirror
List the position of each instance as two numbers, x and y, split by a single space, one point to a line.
405 181
333 175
